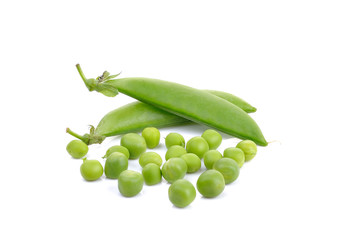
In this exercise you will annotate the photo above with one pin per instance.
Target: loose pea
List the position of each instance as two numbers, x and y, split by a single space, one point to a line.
235 153
115 164
211 183
211 157
134 143
151 136
77 149
174 169
175 151
117 148
229 169
181 193
152 174
150 157
249 148
174 139
91 170
198 146
193 162
130 183
213 138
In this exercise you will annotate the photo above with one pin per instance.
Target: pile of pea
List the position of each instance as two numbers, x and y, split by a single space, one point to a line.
180 159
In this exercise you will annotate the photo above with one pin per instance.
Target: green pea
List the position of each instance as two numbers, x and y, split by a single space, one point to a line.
181 193
152 174
249 148
151 136
115 164
134 143
174 169
229 169
174 139
236 154
77 149
91 170
211 183
193 162
150 157
130 183
213 138
117 148
211 157
198 146
175 151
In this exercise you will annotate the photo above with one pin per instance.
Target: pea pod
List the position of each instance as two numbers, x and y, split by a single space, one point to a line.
190 103
136 116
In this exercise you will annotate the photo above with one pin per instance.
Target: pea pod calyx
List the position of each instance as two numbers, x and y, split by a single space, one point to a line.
99 84
88 138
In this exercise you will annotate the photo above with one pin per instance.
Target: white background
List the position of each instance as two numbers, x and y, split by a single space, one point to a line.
280 56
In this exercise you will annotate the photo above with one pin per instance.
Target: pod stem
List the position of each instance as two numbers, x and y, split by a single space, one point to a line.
87 138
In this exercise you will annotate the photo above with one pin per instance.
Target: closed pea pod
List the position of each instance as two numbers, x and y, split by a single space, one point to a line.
193 104
136 116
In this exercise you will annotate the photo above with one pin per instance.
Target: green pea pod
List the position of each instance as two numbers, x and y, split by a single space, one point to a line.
187 102
136 116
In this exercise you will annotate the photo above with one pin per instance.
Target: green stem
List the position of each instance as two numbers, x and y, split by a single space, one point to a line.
75 135
79 69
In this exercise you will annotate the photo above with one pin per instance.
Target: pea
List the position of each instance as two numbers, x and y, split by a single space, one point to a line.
91 170
236 154
117 148
77 149
150 157
249 148
181 193
213 138
151 136
134 143
115 164
175 151
198 146
152 174
130 183
174 169
174 139
211 157
211 183
229 169
193 162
